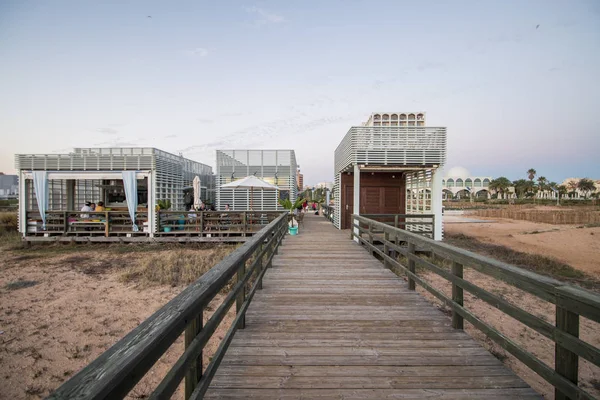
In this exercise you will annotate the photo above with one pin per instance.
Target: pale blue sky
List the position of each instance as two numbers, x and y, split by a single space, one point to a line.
202 75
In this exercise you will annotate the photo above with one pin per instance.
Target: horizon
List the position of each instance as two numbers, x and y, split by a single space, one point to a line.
515 84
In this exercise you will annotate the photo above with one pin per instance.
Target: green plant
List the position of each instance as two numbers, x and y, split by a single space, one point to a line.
288 205
163 204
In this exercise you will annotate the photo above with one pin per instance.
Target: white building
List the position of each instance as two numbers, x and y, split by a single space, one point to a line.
458 183
277 167
390 165
68 181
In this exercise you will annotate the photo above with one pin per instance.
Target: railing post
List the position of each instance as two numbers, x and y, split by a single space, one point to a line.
259 266
371 239
386 249
457 296
244 223
411 265
193 375
106 227
396 221
201 223
352 227
66 222
566 362
242 295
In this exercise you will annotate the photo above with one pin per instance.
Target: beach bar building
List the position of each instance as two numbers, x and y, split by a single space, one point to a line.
391 165
53 188
277 167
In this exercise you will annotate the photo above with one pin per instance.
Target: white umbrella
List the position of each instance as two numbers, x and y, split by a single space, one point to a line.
196 184
250 182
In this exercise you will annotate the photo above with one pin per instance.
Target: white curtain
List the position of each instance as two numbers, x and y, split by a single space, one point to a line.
40 187
130 184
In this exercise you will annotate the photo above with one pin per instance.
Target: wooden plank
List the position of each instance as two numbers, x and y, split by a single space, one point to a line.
360 371
360 394
368 382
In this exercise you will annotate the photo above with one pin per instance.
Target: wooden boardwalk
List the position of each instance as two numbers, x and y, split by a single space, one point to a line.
332 323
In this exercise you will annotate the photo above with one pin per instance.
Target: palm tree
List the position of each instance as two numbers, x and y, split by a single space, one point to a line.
520 187
542 184
562 190
572 185
531 173
500 185
586 186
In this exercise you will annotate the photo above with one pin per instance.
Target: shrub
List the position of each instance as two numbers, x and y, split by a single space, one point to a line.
8 222
177 267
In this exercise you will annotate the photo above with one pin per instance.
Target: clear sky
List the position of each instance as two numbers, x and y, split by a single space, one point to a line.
516 82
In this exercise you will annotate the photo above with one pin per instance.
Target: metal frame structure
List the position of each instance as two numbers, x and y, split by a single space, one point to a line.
277 167
78 177
415 152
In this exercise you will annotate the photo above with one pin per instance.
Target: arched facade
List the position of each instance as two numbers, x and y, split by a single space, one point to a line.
459 183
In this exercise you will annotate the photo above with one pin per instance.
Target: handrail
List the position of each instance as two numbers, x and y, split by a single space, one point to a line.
328 211
571 301
424 224
115 372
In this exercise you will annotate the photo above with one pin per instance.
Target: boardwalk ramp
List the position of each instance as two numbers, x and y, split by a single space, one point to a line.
332 323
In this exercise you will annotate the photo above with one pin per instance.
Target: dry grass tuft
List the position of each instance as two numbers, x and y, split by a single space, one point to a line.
8 222
176 267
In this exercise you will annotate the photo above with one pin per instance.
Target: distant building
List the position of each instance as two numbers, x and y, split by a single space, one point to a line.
391 164
570 183
299 180
9 186
458 183
277 167
324 185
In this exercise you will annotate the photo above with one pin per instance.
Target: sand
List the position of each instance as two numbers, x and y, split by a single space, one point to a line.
571 244
74 312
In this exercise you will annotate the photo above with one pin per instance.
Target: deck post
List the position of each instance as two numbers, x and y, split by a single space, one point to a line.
566 362
436 203
201 227
244 223
259 266
371 239
356 195
386 249
411 265
242 295
457 296
396 221
193 375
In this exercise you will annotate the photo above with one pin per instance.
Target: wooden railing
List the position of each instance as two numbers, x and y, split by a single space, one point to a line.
169 223
114 373
213 223
328 211
571 302
87 223
423 224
